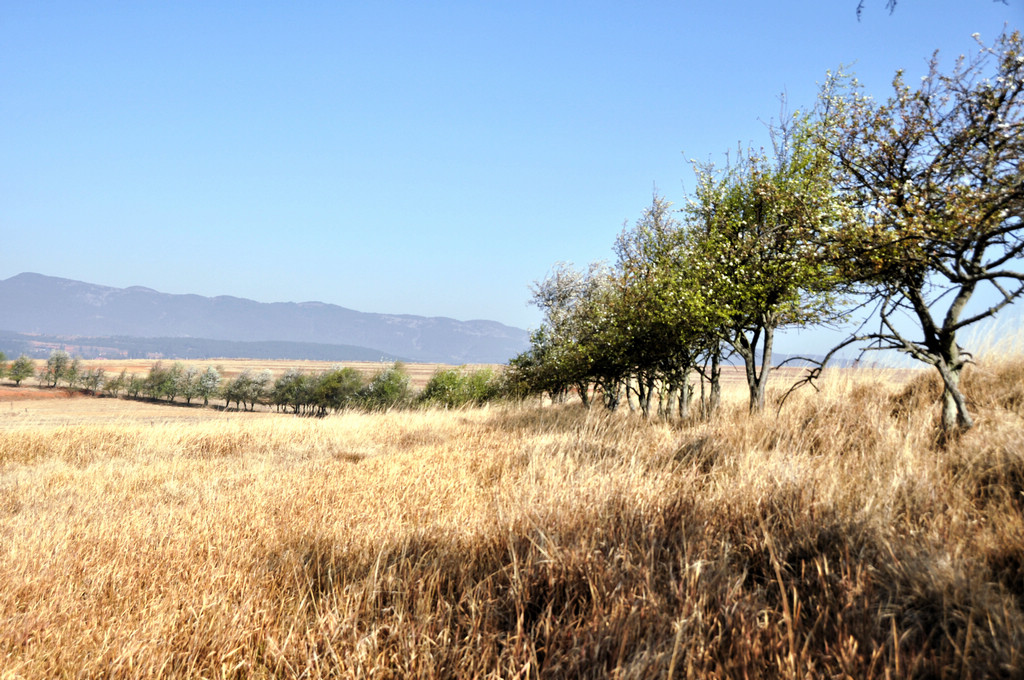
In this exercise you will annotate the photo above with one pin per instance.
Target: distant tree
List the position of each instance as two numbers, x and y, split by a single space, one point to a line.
332 390
188 382
112 387
247 389
482 385
3 364
295 390
237 390
135 385
156 382
92 380
579 344
454 387
173 381
209 381
259 389
74 373
937 177
21 368
444 388
387 389
56 368
532 373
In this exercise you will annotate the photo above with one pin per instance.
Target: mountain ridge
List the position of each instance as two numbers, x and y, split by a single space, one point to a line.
32 303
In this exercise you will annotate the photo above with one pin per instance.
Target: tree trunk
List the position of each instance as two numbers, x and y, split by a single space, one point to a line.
630 390
667 397
583 389
611 395
645 386
685 394
715 396
757 382
955 416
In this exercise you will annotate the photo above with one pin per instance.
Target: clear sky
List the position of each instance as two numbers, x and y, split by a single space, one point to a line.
400 157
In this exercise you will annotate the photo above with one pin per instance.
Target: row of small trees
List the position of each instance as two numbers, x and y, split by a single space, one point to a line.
898 211
304 393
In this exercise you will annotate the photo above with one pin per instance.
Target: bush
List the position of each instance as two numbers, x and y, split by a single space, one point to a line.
387 389
445 388
452 387
336 389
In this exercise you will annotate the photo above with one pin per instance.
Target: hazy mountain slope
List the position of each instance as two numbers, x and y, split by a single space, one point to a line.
33 303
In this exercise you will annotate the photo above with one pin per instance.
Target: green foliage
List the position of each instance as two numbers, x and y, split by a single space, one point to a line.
134 386
22 367
113 387
56 369
160 382
455 387
445 388
745 262
93 379
336 389
293 389
74 373
756 238
579 343
388 389
188 383
209 382
248 389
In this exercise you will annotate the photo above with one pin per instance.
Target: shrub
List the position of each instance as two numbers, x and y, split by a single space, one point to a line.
336 389
445 388
387 389
453 387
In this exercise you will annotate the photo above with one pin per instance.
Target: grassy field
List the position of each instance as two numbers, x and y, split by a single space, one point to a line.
832 540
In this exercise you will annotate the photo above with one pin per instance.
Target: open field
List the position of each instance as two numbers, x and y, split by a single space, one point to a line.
835 539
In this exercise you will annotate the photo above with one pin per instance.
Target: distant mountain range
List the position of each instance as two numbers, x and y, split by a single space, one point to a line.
143 322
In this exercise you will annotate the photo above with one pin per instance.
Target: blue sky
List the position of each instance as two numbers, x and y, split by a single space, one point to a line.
421 158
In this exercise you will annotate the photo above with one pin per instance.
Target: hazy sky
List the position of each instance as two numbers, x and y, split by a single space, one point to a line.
401 157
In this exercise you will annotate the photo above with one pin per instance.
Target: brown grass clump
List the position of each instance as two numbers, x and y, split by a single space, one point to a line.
833 539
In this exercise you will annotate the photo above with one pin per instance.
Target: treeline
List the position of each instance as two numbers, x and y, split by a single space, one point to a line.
298 392
898 211
186 349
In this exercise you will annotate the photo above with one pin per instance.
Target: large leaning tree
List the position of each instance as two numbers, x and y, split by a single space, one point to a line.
936 174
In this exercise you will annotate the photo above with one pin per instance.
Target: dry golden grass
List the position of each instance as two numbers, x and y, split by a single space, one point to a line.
832 540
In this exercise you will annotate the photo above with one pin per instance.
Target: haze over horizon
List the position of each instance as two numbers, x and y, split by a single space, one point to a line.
399 159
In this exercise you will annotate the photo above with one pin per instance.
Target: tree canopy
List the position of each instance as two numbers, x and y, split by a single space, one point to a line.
935 174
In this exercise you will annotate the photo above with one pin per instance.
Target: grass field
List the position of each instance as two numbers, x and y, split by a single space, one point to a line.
835 539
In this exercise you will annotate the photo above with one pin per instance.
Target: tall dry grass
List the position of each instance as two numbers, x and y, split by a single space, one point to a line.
835 539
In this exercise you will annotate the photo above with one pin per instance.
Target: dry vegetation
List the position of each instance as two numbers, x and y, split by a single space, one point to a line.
833 540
